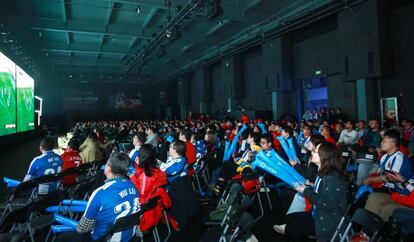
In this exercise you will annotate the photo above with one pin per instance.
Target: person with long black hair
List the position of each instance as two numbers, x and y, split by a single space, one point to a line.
328 196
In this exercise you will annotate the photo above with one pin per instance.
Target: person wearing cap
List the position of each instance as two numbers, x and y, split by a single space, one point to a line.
117 198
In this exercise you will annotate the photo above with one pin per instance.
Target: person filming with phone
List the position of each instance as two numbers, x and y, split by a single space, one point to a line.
394 168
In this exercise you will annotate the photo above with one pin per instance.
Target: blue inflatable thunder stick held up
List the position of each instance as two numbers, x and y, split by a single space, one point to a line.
234 142
262 127
226 150
292 149
285 147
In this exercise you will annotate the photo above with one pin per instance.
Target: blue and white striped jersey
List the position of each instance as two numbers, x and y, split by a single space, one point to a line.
45 164
117 198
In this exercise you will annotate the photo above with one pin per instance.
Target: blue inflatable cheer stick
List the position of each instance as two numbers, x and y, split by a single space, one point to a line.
66 221
234 142
286 167
285 147
226 150
262 127
259 163
292 149
299 137
56 229
10 182
74 202
64 209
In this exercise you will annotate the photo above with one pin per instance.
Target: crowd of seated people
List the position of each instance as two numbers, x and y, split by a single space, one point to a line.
164 152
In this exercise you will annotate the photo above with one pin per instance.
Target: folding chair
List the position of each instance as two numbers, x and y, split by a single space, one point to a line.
266 190
232 187
81 190
14 218
198 168
38 223
84 169
151 204
26 192
11 237
36 218
244 226
365 162
237 190
234 224
351 166
368 220
259 199
122 224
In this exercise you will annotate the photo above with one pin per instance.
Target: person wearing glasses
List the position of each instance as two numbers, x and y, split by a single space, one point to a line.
176 164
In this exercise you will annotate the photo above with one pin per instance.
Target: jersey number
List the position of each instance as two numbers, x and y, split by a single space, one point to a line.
52 171
124 209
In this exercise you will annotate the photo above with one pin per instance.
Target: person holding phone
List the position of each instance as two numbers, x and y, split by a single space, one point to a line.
392 160
393 168
406 197
402 198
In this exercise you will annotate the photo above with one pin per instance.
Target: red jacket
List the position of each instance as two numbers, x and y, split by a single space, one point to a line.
276 143
331 140
191 156
148 188
408 135
70 159
406 200
404 150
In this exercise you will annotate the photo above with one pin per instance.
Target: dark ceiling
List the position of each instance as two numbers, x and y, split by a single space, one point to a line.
99 38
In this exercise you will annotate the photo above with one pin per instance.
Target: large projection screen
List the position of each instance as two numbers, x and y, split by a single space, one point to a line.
25 101
7 96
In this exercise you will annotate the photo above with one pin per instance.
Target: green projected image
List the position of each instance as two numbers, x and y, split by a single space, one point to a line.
25 101
7 96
